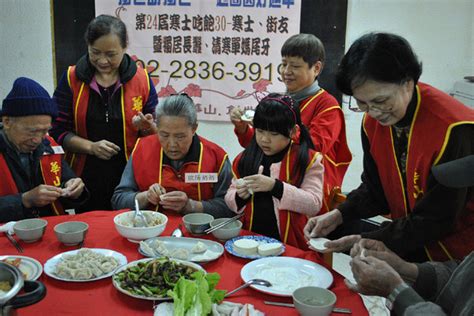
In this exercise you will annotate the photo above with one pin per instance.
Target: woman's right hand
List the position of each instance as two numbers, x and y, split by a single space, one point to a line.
235 117
322 225
242 189
103 149
154 192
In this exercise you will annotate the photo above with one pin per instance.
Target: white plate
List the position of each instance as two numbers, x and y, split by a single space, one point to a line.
50 265
286 274
229 246
185 243
149 298
30 267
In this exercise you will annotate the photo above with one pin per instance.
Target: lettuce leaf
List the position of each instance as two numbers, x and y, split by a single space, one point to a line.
195 297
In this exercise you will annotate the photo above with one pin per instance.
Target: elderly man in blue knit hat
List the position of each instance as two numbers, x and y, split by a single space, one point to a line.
35 179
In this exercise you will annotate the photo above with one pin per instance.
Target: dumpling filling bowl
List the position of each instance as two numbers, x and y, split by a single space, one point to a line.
156 225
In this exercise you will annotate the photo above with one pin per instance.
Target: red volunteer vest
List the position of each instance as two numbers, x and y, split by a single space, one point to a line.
337 159
50 170
148 168
134 94
435 115
291 223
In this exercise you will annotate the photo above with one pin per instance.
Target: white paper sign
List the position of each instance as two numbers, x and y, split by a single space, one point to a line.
203 177
222 53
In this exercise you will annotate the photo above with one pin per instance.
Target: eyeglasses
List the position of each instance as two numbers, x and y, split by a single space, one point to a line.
366 108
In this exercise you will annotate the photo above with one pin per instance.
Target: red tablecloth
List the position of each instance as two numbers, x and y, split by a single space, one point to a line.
101 298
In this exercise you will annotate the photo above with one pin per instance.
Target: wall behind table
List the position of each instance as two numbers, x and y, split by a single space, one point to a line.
25 43
440 30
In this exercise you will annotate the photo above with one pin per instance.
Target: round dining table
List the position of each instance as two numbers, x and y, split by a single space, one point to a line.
101 298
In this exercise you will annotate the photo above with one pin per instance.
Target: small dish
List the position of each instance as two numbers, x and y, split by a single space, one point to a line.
30 267
229 246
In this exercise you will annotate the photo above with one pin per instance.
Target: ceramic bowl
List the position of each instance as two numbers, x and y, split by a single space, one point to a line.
30 230
227 232
71 233
314 301
197 223
156 225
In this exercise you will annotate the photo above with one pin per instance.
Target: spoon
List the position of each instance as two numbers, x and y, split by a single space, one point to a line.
177 232
248 283
139 219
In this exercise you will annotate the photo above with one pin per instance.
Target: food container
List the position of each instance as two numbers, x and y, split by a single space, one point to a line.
314 301
124 225
71 233
197 223
30 230
35 291
227 232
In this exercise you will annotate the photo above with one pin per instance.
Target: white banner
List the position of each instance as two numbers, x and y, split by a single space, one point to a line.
222 53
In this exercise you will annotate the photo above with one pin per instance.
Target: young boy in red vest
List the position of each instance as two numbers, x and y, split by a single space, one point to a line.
35 179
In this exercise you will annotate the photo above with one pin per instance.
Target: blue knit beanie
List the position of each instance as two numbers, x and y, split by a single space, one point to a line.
28 97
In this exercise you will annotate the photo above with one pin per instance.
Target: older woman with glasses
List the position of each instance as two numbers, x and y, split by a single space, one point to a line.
408 127
105 103
176 170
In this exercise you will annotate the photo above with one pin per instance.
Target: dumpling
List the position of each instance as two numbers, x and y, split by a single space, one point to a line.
180 253
83 274
199 247
160 247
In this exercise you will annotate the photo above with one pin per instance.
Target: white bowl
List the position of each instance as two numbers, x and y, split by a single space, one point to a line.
197 223
229 231
71 233
314 301
30 230
123 224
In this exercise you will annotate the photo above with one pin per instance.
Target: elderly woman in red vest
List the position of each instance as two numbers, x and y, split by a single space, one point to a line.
176 169
35 179
105 103
408 127
302 60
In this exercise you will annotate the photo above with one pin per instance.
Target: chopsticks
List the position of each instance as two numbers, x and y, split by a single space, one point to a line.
220 225
334 310
14 242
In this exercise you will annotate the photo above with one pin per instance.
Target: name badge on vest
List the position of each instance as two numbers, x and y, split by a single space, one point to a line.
58 150
196 177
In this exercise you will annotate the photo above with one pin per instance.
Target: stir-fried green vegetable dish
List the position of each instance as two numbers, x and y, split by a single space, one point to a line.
153 278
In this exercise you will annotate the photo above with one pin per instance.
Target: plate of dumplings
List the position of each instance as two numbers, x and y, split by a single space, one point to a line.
84 265
190 249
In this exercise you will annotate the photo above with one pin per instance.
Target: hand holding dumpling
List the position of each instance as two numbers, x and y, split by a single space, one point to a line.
144 123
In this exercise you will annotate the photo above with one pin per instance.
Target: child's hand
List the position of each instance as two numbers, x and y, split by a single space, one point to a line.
259 183
241 189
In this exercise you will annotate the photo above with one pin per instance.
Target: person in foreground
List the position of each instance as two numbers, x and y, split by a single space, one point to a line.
302 62
176 169
408 127
279 177
35 179
447 287
105 103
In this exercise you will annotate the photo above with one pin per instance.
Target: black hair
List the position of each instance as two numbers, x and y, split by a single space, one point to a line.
306 46
104 25
380 57
277 113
